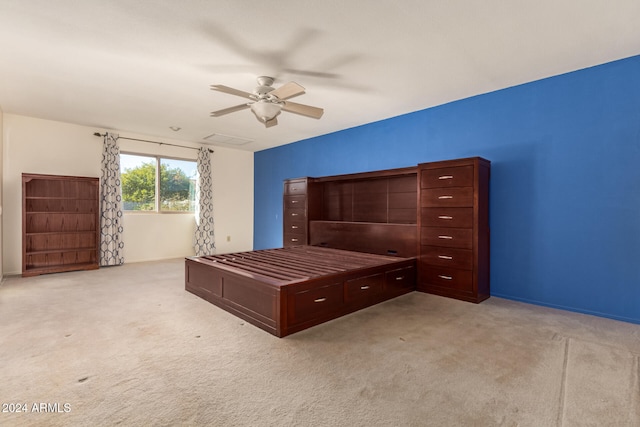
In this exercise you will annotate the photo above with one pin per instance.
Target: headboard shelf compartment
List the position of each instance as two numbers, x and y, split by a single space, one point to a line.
373 203
377 238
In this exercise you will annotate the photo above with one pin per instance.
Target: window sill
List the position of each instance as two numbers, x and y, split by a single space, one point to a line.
157 213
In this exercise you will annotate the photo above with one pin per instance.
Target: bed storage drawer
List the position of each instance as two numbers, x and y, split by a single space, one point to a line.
202 281
401 279
317 302
363 288
259 301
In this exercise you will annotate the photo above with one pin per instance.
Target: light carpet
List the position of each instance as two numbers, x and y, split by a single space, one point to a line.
129 346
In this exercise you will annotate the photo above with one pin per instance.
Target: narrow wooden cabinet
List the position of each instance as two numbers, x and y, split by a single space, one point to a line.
453 221
60 223
295 212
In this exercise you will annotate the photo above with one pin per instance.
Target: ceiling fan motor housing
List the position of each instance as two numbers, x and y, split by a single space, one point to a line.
265 86
265 81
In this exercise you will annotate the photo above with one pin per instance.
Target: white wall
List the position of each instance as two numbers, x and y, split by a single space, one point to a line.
233 199
1 204
49 147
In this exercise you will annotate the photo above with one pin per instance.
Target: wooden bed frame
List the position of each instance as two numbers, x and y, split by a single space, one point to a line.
357 248
351 241
290 289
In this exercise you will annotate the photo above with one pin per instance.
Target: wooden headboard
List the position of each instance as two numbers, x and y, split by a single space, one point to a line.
383 239
373 212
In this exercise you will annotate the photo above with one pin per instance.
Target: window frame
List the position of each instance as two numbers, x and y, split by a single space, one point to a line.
156 208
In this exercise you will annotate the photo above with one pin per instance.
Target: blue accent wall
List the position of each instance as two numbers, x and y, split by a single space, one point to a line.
565 181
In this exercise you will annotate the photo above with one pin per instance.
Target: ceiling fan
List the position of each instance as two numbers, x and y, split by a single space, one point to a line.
267 102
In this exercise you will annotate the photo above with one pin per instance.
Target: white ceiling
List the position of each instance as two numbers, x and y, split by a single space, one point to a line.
141 66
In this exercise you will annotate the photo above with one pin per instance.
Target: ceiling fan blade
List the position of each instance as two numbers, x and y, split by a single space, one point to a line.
230 110
287 91
305 110
271 122
232 91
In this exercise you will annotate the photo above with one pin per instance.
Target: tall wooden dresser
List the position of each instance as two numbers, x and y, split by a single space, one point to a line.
295 212
60 223
453 221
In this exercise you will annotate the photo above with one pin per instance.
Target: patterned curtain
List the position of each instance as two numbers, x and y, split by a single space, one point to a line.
111 243
204 238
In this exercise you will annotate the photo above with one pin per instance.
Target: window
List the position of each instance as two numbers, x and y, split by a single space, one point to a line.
143 177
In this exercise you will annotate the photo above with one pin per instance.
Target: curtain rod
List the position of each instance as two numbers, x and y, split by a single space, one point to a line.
152 142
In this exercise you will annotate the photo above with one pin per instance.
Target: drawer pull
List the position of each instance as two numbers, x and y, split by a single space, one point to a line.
445 217
445 177
445 197
364 288
294 188
445 277
320 300
294 214
400 278
445 237
294 201
294 240
445 257
294 227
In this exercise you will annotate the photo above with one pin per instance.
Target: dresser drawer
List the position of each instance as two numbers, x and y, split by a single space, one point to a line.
451 278
458 176
401 278
289 239
447 197
295 227
292 202
293 188
447 217
363 287
295 214
447 237
317 302
447 257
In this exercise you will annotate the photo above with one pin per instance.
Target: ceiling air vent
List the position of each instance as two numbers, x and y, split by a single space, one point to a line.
218 138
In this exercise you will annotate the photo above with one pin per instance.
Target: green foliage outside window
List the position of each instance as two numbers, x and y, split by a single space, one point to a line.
139 189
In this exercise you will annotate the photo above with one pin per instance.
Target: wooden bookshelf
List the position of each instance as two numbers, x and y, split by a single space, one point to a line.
60 223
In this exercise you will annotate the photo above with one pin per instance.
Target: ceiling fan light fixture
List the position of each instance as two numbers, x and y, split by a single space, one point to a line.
268 102
265 110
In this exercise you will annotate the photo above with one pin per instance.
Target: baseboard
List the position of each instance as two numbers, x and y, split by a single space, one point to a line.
567 308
